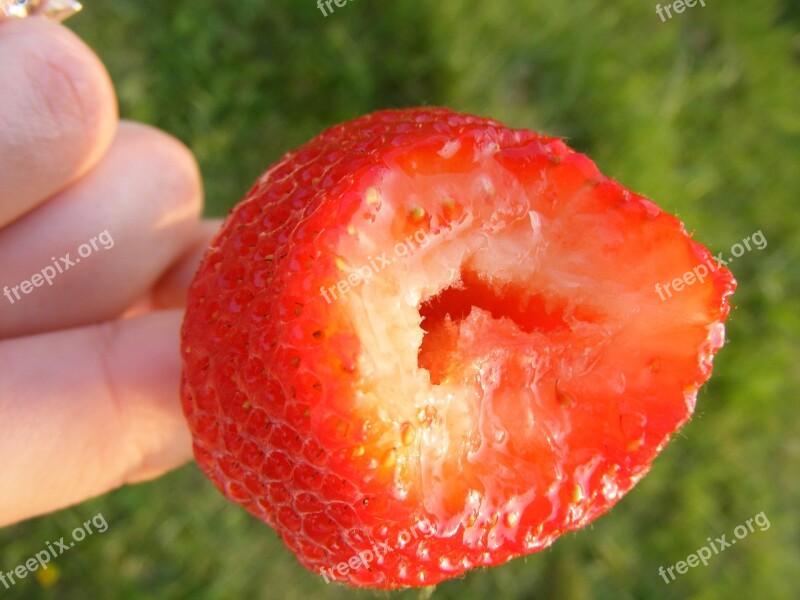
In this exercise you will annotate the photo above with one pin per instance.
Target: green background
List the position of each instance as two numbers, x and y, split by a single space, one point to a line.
699 113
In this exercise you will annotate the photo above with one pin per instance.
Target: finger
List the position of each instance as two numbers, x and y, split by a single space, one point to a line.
57 112
170 291
87 255
87 410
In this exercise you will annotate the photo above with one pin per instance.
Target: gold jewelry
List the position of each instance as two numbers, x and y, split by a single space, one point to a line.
57 10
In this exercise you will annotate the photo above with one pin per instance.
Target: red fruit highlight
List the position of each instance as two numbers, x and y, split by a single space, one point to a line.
425 342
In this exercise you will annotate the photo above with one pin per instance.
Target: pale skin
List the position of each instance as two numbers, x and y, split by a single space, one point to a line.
90 365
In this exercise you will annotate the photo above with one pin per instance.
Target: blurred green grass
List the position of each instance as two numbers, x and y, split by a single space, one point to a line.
699 113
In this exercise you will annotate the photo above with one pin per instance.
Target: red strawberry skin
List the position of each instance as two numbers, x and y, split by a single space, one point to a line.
506 379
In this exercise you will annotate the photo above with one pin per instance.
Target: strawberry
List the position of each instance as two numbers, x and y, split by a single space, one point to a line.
425 342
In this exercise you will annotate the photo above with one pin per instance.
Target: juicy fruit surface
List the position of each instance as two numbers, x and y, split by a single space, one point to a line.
432 337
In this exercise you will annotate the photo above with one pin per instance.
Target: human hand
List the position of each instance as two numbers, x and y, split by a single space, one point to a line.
100 233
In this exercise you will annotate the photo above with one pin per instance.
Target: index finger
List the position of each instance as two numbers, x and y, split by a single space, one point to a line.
58 112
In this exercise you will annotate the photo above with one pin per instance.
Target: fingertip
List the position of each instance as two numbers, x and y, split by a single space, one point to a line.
171 290
58 112
172 165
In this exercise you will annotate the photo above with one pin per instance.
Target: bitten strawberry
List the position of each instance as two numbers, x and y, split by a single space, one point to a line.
425 342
